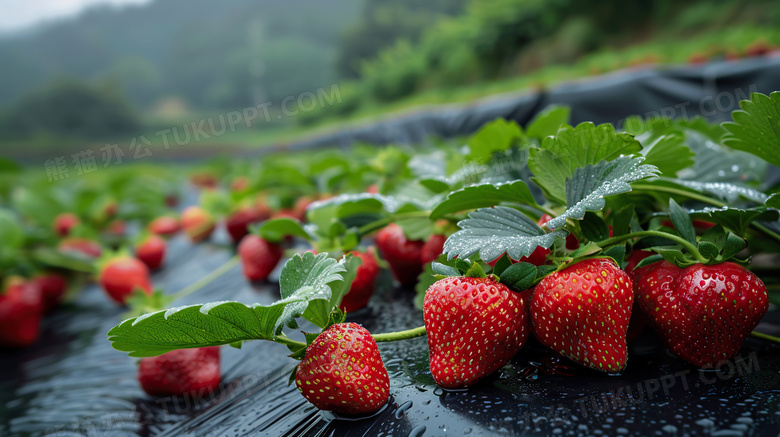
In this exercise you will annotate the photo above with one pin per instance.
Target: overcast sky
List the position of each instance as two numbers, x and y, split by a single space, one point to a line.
20 14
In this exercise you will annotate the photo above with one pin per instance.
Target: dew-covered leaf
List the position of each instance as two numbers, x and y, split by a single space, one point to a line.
493 231
586 189
483 195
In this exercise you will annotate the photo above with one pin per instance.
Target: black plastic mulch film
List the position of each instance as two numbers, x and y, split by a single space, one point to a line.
73 383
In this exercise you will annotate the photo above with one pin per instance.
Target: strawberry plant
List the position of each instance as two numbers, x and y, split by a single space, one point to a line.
574 238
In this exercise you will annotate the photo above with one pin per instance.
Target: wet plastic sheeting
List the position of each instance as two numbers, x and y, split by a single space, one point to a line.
712 90
73 383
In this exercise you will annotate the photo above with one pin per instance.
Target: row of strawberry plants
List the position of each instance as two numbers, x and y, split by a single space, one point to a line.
574 235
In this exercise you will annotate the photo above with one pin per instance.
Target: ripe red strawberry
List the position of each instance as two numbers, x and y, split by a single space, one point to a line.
151 251
582 312
122 274
703 313
362 287
342 372
185 371
64 222
53 287
258 257
403 255
21 306
475 326
237 223
81 247
165 226
432 248
197 223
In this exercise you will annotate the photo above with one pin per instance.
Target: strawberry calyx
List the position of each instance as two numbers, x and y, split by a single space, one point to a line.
681 246
109 257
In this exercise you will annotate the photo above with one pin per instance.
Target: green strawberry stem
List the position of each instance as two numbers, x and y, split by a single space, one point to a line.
691 248
702 198
380 338
765 337
379 224
400 335
285 340
202 282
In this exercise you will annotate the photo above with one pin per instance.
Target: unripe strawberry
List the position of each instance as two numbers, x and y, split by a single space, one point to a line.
197 223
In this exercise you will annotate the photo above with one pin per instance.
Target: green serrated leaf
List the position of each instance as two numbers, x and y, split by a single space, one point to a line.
305 279
495 136
502 264
310 337
722 190
593 227
586 189
463 265
520 276
475 271
756 128
736 219
733 246
494 231
675 257
709 250
576 147
682 221
275 230
585 250
649 260
236 344
715 235
484 195
620 219
618 253
669 154
545 270
443 270
547 122
418 228
194 326
773 201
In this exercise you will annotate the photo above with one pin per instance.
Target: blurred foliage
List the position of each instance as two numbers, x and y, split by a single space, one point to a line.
72 109
494 40
382 23
229 54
